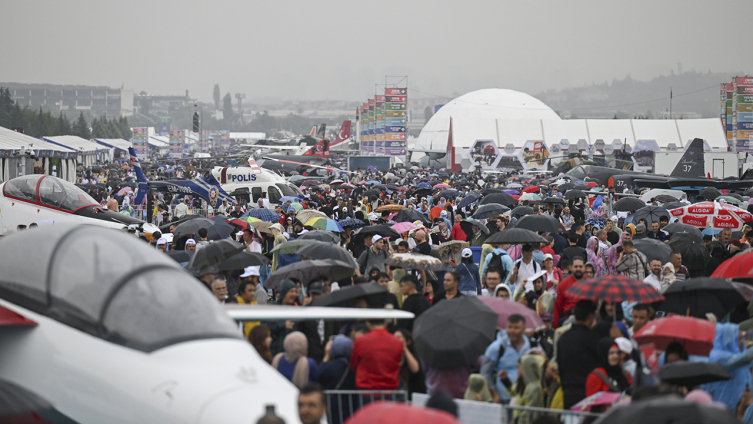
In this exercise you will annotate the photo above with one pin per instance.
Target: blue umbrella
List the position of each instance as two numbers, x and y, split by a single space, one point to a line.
509 191
373 182
468 200
352 223
371 168
263 214
433 175
423 185
449 193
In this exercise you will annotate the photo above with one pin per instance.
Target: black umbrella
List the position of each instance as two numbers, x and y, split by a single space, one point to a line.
412 215
489 209
515 236
242 260
421 192
521 211
653 249
695 256
583 186
710 193
666 409
454 333
468 224
554 200
369 193
214 253
381 229
665 198
305 271
698 296
677 227
346 295
575 194
501 198
565 187
326 250
538 223
673 205
166 227
488 191
180 256
691 374
321 235
215 230
449 193
628 204
650 213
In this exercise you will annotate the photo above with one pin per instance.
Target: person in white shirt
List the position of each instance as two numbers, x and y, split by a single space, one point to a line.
524 268
653 278
181 208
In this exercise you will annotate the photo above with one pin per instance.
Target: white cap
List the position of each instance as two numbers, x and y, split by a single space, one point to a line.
190 241
250 271
345 209
161 240
287 236
613 218
376 238
547 256
133 227
623 344
466 253
239 233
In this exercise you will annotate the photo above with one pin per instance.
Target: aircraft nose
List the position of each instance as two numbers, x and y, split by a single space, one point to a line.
246 404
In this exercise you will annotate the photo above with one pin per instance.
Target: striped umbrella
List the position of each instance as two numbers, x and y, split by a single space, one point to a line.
325 224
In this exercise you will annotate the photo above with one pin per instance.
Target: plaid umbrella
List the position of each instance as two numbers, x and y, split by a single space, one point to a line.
263 214
615 288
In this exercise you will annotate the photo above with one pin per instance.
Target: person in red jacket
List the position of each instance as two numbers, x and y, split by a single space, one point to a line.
610 376
376 358
457 232
565 303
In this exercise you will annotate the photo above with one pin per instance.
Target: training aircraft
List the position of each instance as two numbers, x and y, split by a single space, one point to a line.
108 330
44 200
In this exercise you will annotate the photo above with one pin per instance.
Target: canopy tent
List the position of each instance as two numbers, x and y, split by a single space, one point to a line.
48 158
89 152
117 146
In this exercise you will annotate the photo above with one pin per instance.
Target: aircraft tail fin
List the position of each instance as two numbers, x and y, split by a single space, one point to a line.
143 186
320 149
344 133
691 164
321 132
312 133
450 156
209 188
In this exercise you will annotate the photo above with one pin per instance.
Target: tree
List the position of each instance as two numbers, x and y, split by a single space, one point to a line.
64 125
81 127
216 96
428 113
227 108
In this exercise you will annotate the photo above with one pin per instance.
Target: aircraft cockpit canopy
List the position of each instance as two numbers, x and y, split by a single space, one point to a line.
48 191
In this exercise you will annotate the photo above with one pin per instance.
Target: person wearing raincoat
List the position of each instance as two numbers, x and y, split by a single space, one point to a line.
726 352
527 390
478 389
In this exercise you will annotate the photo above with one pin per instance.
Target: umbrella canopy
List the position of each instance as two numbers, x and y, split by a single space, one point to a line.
369 193
449 194
454 333
665 198
615 288
326 250
575 194
696 335
555 200
243 260
291 247
582 186
263 214
530 197
698 296
309 214
346 295
531 189
386 413
653 249
404 227
124 190
730 199
423 185
676 227
383 230
691 374
320 236
467 200
710 193
325 224
489 209
565 187
262 226
693 250
415 261
352 223
389 208
515 185
444 247
673 205
738 266
215 230
515 236
306 271
468 224
628 204
214 253
441 185
180 256
651 214
666 409
412 215
539 223
521 211
504 308
500 198
488 191
712 214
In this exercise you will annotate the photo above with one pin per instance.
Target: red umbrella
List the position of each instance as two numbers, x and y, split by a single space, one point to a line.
239 222
531 189
504 308
695 334
738 266
515 196
592 184
393 412
717 215
615 288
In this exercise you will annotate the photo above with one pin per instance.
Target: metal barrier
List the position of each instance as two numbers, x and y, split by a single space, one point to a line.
341 404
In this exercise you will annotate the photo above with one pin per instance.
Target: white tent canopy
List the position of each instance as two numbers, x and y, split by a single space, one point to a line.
89 152
46 155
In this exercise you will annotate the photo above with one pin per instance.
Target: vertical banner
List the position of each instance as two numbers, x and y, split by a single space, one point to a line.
365 127
396 120
728 127
204 141
379 125
139 142
176 144
372 126
742 122
225 139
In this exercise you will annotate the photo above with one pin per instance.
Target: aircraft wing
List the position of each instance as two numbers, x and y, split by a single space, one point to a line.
327 168
310 313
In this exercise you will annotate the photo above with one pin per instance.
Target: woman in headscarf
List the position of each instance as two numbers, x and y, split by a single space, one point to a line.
334 371
612 253
443 231
478 389
609 376
293 363
667 275
596 257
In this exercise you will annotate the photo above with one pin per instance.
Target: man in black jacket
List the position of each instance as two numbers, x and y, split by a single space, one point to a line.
577 355
415 302
573 251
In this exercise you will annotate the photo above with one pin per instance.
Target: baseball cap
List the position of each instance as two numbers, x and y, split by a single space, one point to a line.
161 240
239 234
613 218
132 227
317 287
250 271
376 238
640 227
466 253
547 256
190 241
623 344
546 316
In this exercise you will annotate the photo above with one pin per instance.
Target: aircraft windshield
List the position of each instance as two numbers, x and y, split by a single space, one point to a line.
579 173
287 190
63 195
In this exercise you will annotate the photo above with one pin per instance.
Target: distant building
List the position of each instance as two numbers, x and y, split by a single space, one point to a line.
113 102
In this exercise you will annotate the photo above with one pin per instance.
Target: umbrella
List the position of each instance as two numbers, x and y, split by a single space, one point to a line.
539 223
665 198
262 227
336 182
325 224
710 193
412 215
676 227
415 261
214 253
691 374
653 249
180 256
515 236
488 191
404 227
444 247
615 288
320 236
454 333
263 214
326 250
388 413
423 185
352 223
306 271
515 185
565 187
441 185
521 211
530 197
575 194
243 260
738 266
215 231
309 214
19 405
531 189
501 198
369 193
666 409
389 208
468 224
673 205
650 213
695 334
582 186
124 190
745 290
712 214
628 204
297 207
489 209
346 295
511 191
504 308
596 399
381 229
243 224
291 247
556 200
469 199
729 199
449 193
698 296
693 250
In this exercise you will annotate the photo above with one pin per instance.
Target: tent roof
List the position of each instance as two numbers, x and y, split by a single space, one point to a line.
12 140
117 143
75 143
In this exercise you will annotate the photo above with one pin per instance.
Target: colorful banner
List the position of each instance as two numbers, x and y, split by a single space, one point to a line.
139 142
225 139
176 144
396 120
742 113
204 141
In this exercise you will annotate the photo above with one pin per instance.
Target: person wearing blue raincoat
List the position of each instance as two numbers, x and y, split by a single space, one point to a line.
726 352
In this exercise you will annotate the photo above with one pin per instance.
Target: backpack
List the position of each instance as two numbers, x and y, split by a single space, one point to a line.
536 267
496 262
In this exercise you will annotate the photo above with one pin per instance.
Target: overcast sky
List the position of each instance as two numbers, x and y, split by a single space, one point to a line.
303 49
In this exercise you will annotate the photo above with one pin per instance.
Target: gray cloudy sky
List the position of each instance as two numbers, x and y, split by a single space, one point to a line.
303 49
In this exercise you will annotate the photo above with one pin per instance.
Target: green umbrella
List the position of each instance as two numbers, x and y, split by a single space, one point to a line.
292 246
729 199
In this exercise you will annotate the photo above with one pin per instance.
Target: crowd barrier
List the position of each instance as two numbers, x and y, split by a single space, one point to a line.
341 404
